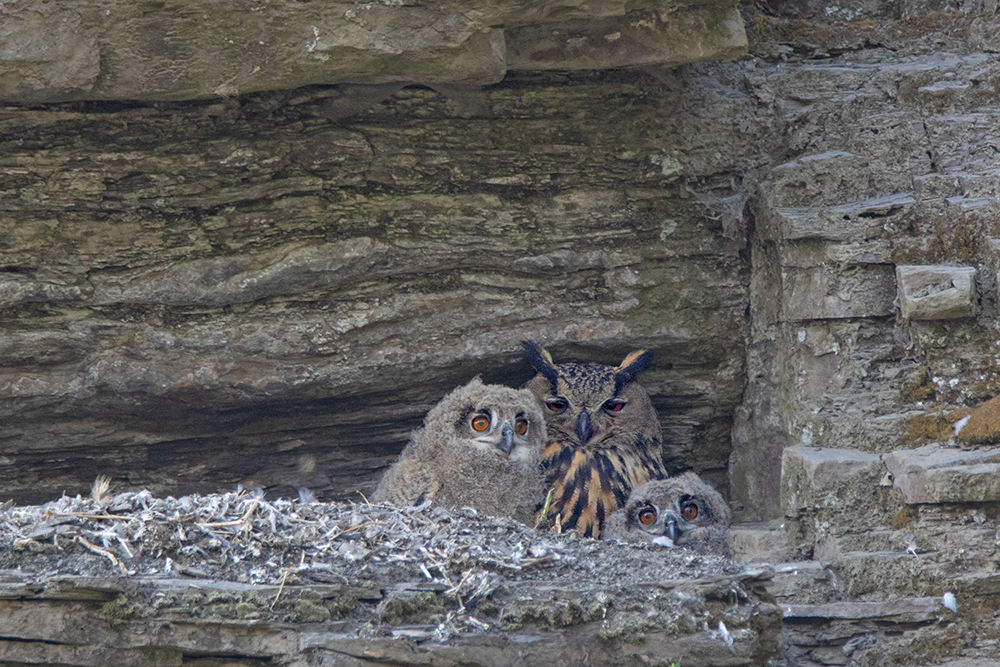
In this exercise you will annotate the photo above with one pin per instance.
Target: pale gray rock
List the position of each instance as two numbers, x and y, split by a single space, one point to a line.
905 610
937 473
241 278
853 222
812 476
825 292
936 292
761 542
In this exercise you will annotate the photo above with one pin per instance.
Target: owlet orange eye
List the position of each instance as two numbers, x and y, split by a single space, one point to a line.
647 516
521 426
480 422
689 512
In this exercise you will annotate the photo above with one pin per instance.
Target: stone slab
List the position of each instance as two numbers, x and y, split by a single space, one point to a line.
911 609
935 291
759 542
854 221
657 35
180 49
802 582
828 292
826 467
811 476
939 474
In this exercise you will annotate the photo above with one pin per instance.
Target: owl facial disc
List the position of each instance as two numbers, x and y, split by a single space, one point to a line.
501 432
663 524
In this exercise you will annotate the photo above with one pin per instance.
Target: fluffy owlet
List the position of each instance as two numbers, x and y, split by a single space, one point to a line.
603 437
680 511
479 447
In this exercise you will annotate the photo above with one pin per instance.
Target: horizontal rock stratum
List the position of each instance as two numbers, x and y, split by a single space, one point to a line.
101 50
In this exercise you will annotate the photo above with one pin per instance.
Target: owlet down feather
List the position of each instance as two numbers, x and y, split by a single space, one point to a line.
479 447
681 511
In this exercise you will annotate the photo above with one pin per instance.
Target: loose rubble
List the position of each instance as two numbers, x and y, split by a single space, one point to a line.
371 572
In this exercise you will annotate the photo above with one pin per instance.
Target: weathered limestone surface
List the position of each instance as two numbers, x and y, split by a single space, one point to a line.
271 288
869 184
100 49
811 476
936 292
199 295
937 474
235 580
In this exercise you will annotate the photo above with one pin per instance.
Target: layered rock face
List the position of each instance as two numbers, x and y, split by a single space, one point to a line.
201 289
272 290
103 50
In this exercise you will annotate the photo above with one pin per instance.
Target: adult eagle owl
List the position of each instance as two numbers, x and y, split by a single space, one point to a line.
602 436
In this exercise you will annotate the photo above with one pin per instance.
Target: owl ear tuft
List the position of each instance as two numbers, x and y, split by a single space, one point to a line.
541 361
630 367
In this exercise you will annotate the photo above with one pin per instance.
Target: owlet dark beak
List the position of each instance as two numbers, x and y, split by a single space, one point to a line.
506 439
670 532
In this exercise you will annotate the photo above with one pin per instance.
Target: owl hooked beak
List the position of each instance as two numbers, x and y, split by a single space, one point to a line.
506 442
670 532
584 428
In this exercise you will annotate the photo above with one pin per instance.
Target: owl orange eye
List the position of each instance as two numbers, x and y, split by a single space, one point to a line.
521 426
480 422
614 405
647 516
689 512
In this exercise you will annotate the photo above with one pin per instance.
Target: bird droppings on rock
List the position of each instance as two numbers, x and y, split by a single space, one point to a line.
368 571
244 537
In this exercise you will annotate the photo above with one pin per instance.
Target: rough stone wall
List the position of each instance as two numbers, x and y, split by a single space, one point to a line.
181 49
274 288
888 160
251 291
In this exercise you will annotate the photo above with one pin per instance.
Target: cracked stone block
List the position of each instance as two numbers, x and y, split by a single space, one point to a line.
938 474
764 542
851 222
935 291
826 292
811 476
